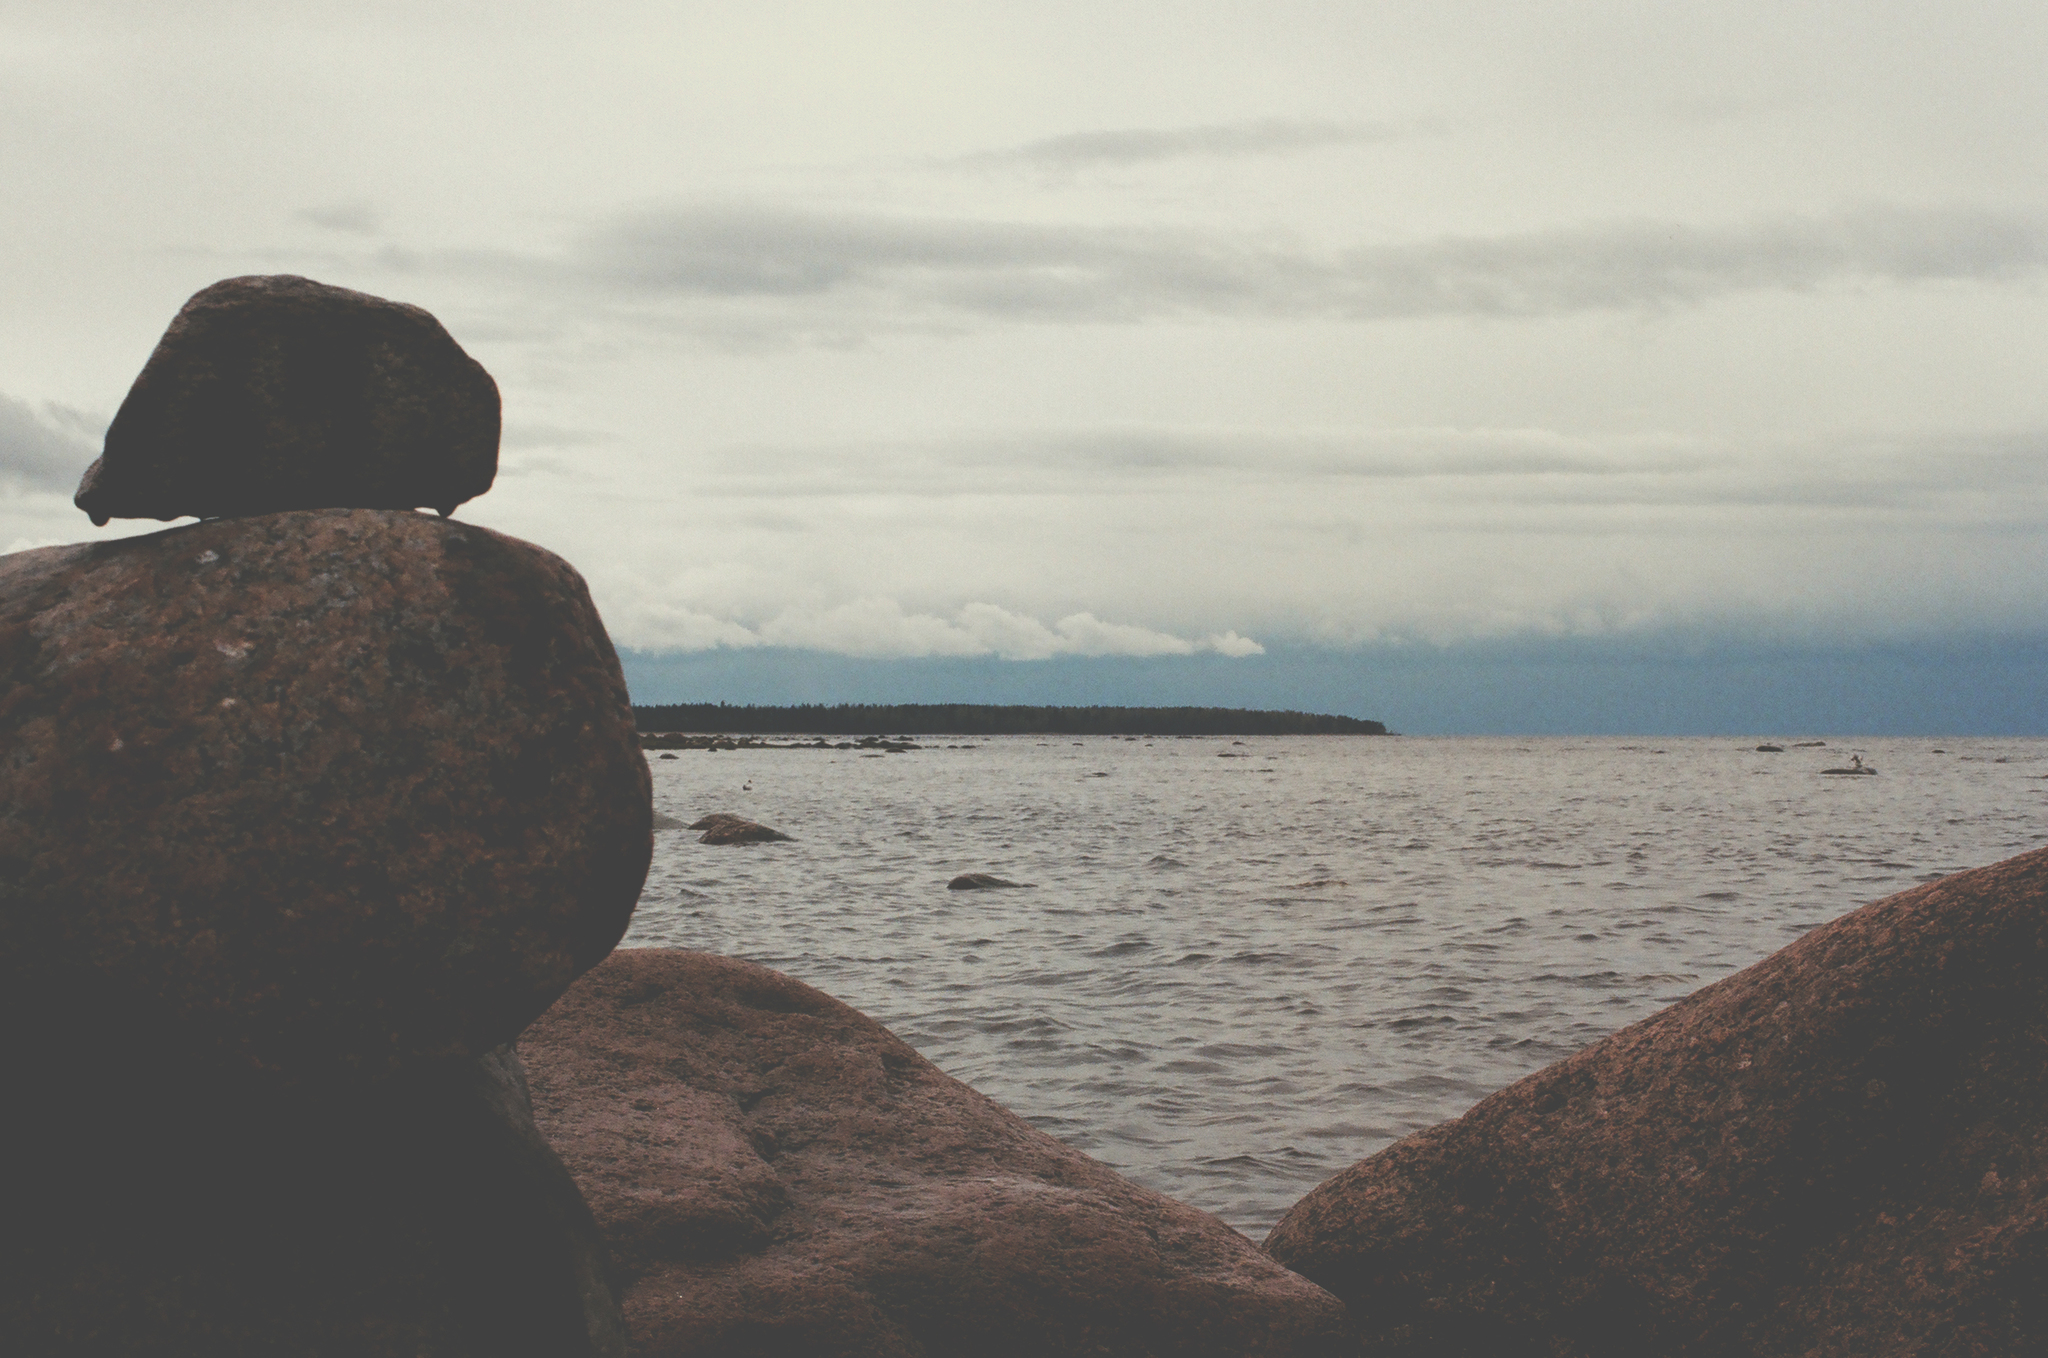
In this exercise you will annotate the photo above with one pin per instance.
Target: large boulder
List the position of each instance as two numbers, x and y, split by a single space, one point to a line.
270 393
320 793
777 1174
179 1214
1842 1150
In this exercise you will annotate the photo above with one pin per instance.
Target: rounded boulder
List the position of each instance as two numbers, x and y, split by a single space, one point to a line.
333 791
275 392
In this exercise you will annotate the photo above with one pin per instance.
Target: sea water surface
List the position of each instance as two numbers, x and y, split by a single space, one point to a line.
1246 963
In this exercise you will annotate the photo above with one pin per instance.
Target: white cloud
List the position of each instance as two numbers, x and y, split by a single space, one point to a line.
1128 146
354 217
1086 634
881 627
795 269
44 453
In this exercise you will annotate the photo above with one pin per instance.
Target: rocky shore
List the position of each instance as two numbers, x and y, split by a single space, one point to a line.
312 811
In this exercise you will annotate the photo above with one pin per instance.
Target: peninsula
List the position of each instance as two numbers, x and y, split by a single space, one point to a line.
981 719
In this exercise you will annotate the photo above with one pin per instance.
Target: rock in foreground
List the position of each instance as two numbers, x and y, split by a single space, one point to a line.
322 793
777 1174
1842 1150
425 1216
270 393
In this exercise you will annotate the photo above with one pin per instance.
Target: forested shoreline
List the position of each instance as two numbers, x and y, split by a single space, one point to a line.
979 719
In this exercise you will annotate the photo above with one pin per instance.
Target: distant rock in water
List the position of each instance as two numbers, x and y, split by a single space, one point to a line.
777 1174
981 881
272 393
722 827
1835 1151
323 794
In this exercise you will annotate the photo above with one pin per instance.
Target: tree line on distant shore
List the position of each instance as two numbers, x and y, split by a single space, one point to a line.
982 719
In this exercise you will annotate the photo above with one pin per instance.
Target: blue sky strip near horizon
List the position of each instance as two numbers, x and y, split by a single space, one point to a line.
1483 366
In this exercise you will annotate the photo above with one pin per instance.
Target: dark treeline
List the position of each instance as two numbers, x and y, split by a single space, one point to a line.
979 719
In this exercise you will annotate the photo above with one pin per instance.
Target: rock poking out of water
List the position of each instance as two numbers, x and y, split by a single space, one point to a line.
721 827
778 1174
324 794
272 393
1838 1150
181 1218
981 881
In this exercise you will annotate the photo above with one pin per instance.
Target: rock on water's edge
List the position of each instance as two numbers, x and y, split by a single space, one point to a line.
777 1174
274 392
1840 1150
323 793
181 1215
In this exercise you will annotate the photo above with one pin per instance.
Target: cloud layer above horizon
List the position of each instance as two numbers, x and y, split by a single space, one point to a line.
1119 331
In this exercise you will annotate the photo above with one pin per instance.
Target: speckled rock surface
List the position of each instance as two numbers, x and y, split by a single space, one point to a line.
274 392
424 1217
320 793
777 1174
1842 1150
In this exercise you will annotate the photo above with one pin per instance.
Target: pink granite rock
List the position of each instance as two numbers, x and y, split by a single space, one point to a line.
777 1174
1842 1150
271 393
322 793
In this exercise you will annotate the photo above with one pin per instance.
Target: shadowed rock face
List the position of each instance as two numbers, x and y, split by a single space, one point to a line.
321 793
426 1216
272 393
1842 1150
777 1174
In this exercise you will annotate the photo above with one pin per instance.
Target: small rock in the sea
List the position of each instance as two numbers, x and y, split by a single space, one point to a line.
721 827
981 881
664 822
667 756
1791 1161
275 392
776 1173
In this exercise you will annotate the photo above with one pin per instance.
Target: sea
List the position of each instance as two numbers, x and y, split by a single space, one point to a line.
1243 964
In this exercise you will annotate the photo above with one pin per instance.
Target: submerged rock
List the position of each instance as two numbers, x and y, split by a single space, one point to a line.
1837 1151
426 1216
981 881
322 793
271 393
722 827
778 1174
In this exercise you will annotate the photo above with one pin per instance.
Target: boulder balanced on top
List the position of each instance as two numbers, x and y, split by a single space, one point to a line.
276 392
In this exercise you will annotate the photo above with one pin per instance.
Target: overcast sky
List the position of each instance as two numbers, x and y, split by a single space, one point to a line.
936 332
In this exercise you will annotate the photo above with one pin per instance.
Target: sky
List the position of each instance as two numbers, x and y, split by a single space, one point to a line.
1476 367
